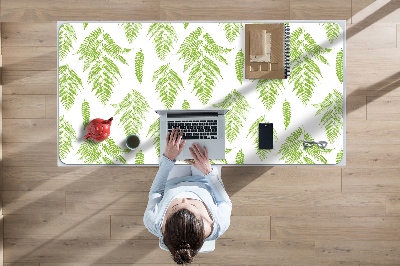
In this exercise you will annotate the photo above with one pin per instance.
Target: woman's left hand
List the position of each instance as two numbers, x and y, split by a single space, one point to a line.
174 145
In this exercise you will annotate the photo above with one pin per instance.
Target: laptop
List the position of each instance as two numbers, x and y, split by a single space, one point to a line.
204 127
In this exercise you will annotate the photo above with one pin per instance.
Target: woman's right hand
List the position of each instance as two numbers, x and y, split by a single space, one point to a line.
200 159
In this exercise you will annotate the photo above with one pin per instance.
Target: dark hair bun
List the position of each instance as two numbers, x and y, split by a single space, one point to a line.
183 255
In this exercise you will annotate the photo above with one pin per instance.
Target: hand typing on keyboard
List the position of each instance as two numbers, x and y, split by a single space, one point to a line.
174 144
200 160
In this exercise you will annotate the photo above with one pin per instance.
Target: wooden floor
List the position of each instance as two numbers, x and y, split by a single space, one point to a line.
281 215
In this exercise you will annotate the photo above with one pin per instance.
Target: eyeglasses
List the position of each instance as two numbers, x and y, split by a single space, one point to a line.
321 144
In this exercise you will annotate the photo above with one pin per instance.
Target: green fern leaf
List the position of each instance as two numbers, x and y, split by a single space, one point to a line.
185 105
332 120
239 65
131 30
290 150
114 151
67 136
190 49
286 113
238 111
90 49
133 108
66 38
154 132
85 113
339 156
214 50
232 30
304 76
139 158
114 50
85 24
163 36
202 76
69 85
185 25
90 152
339 65
139 61
239 157
296 45
168 85
332 30
268 90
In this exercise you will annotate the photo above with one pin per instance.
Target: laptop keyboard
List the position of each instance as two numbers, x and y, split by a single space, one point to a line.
196 129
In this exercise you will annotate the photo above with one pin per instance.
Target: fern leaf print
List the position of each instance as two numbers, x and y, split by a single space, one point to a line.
239 65
339 65
100 53
168 85
67 136
332 30
139 62
154 132
290 150
69 86
332 119
114 151
339 156
238 111
131 30
163 36
239 159
198 53
133 109
185 105
232 30
286 113
85 113
85 24
139 158
185 25
268 91
67 36
105 152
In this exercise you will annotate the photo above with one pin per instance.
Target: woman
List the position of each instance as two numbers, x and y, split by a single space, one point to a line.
189 204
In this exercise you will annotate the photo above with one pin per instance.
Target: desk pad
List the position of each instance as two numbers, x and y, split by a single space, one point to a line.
128 70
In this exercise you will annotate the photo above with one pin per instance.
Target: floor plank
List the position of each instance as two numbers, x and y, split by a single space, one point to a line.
393 204
28 34
379 180
30 154
29 130
41 10
373 131
372 155
364 252
51 226
29 82
24 106
335 228
322 10
383 108
224 10
309 204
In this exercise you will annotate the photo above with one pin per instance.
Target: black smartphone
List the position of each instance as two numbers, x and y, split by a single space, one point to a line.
265 136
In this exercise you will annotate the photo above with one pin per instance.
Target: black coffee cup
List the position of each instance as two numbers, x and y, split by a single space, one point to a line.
132 142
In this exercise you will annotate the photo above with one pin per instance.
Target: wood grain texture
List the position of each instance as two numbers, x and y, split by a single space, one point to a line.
42 10
363 252
129 227
393 204
356 108
50 226
309 204
33 202
374 132
40 130
224 10
335 228
28 34
323 10
30 154
372 155
380 180
24 106
383 108
29 82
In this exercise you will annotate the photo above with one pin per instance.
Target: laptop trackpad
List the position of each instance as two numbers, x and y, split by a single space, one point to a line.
212 147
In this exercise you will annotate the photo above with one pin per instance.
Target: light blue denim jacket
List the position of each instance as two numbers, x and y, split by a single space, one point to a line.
208 188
